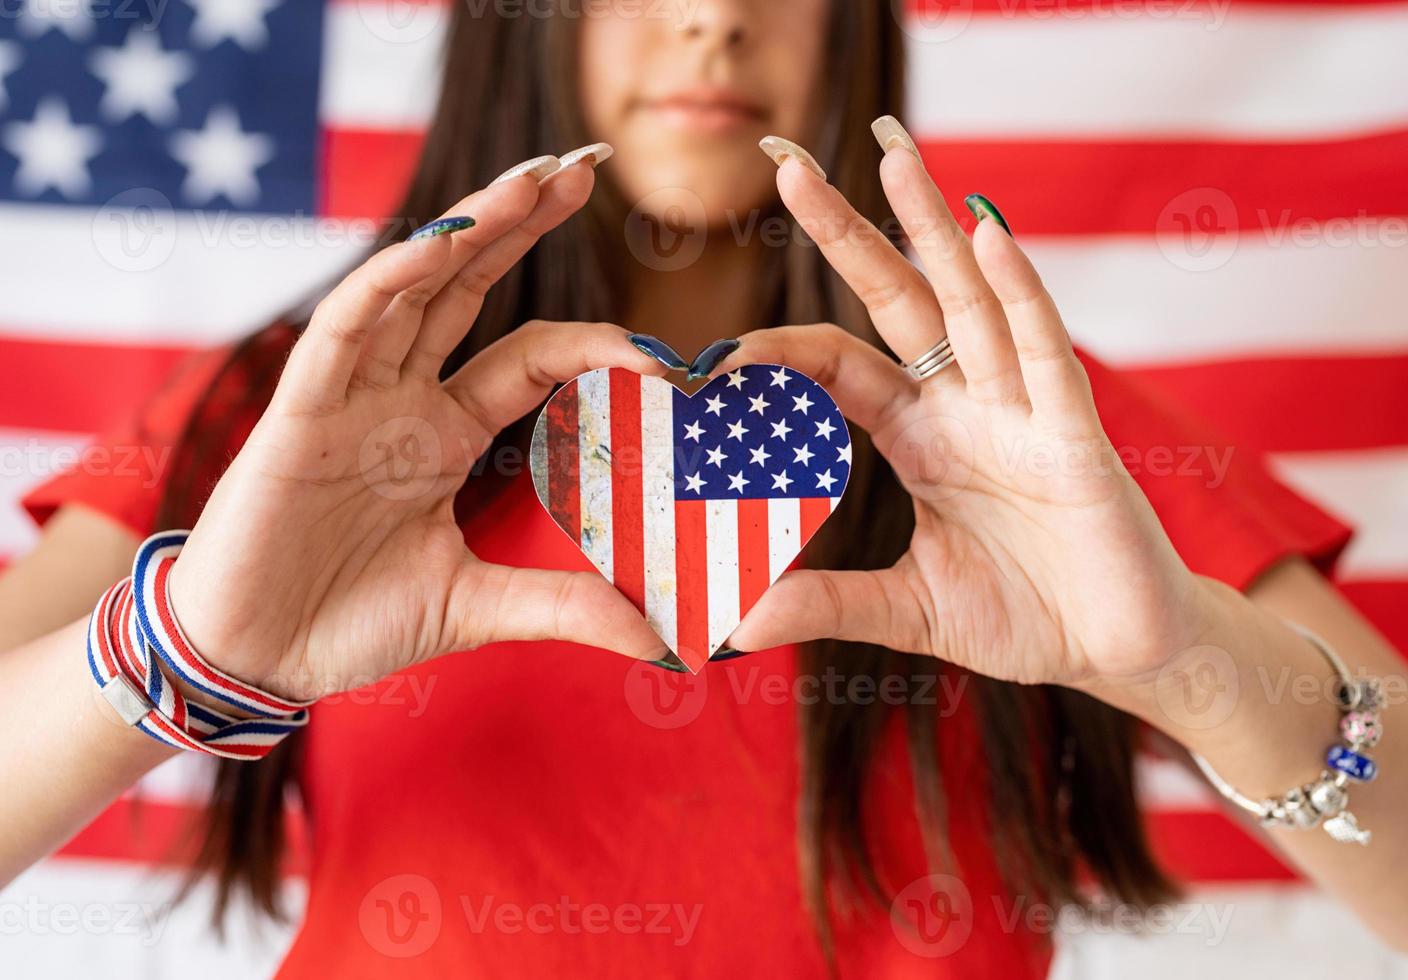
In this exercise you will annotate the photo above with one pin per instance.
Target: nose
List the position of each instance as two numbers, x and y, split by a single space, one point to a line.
724 24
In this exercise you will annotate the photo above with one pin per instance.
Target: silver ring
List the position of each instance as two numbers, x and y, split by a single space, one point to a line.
931 362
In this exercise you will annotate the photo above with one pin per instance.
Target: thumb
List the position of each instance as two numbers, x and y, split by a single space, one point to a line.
812 604
494 603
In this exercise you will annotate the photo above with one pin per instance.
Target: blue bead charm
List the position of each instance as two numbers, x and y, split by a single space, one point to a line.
1351 763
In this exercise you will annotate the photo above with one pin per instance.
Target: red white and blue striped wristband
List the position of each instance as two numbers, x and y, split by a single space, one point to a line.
134 632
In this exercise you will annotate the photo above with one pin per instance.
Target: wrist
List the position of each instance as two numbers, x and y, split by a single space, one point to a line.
137 651
1247 692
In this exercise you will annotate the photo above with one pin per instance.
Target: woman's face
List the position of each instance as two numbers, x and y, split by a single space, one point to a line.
684 89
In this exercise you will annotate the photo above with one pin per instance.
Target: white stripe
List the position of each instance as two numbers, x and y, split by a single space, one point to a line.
658 512
28 459
1165 784
162 277
1126 298
1134 300
1367 489
381 64
594 468
784 533
64 915
1245 72
1272 72
1273 929
721 536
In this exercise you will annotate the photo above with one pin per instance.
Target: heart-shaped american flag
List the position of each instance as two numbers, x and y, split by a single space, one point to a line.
691 505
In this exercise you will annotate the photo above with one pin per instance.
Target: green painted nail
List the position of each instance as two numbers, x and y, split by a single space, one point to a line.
658 349
441 226
983 208
710 357
671 663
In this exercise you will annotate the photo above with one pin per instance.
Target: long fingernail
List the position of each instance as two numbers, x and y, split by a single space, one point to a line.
671 663
983 208
592 155
659 350
728 653
708 359
890 134
781 150
441 226
538 167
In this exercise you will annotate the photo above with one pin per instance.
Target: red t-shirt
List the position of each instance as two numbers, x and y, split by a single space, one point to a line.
547 809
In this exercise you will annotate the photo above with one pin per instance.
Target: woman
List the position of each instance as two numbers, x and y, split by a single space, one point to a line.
990 544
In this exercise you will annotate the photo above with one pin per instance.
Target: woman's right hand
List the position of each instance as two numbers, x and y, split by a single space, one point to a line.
328 555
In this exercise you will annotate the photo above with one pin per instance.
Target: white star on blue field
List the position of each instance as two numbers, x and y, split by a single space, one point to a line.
762 431
202 103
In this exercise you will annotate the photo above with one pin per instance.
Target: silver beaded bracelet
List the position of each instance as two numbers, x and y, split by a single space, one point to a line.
1325 802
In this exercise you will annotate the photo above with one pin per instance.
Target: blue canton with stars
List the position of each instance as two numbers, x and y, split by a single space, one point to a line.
762 431
208 103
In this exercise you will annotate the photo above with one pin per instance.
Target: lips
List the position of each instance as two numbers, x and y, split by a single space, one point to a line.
709 109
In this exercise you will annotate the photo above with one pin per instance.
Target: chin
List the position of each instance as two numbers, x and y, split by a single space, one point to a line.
702 195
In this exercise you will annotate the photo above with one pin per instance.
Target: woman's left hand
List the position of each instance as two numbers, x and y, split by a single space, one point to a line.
1035 557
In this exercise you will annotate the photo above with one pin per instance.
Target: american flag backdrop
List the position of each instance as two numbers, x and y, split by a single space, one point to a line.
1214 191
691 506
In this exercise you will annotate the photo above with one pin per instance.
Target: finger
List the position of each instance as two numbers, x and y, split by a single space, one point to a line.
495 603
513 375
322 363
899 299
971 312
869 388
450 314
1056 382
812 604
496 210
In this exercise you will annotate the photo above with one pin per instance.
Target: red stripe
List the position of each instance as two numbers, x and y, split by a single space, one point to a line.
196 745
692 583
564 488
1206 845
1043 8
152 832
1105 11
815 511
1385 604
627 508
121 640
753 578
1107 186
1261 188
1262 403
78 387
366 172
155 719
101 629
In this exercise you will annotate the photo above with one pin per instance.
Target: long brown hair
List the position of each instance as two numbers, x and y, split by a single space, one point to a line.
1061 791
